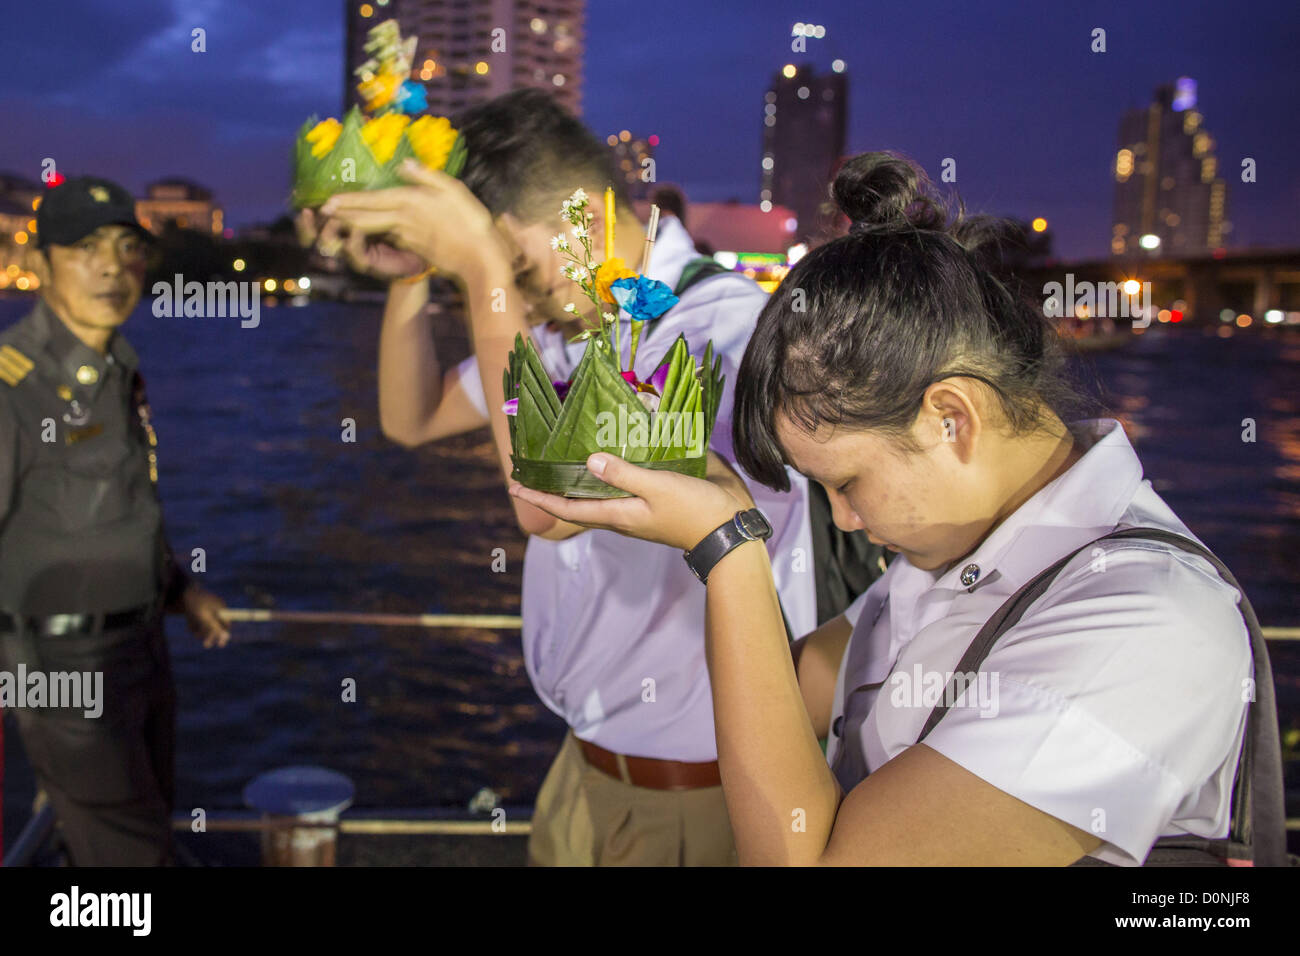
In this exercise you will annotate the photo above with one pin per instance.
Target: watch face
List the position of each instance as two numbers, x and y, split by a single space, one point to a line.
753 524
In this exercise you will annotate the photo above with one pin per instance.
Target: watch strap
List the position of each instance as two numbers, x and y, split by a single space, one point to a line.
744 526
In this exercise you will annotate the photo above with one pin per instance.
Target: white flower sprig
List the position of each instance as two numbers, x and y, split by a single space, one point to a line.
581 267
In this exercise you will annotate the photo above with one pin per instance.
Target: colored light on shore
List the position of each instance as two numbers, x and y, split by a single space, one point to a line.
1132 287
609 223
366 10
269 285
304 283
481 68
1243 321
1039 224
788 70
20 238
653 139
1273 316
239 265
1149 241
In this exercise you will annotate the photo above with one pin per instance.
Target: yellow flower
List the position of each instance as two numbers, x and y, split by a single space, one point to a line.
323 136
611 271
432 138
383 133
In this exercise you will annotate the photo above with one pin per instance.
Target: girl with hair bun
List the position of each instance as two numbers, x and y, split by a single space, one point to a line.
1018 688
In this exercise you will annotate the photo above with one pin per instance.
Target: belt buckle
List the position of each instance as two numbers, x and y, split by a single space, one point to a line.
62 625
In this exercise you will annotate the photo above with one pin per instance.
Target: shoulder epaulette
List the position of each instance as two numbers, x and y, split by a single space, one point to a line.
14 365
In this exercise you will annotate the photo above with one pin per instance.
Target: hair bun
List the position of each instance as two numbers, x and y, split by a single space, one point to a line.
884 190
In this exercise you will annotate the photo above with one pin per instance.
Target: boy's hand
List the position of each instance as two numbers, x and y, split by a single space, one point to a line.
437 219
365 254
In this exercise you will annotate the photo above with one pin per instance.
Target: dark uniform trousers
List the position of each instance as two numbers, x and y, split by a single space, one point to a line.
110 778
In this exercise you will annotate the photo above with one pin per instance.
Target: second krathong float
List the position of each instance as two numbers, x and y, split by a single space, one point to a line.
663 423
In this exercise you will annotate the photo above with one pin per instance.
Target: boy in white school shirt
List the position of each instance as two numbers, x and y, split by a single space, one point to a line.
612 626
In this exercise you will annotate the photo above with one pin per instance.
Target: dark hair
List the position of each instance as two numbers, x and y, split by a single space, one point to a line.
523 149
670 199
864 324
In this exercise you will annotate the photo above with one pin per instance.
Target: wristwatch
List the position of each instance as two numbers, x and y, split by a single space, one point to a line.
748 525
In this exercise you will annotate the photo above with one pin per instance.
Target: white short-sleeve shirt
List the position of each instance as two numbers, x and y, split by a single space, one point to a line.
1117 703
613 631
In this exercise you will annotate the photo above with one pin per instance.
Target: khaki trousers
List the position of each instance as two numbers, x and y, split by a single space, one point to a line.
585 817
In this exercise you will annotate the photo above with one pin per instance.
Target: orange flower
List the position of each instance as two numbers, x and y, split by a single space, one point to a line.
608 272
379 90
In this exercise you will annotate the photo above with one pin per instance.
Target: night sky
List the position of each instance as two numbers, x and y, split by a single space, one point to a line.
1010 90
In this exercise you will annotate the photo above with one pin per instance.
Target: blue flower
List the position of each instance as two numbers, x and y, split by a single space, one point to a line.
642 298
411 97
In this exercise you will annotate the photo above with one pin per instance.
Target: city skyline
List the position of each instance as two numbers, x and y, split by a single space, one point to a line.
1014 95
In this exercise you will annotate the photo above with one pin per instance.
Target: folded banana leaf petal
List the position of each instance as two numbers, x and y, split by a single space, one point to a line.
456 158
387 176
318 179
602 412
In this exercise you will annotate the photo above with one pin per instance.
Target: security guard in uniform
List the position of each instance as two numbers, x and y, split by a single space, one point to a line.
85 571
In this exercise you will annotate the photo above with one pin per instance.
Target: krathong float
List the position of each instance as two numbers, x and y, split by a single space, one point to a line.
364 153
663 423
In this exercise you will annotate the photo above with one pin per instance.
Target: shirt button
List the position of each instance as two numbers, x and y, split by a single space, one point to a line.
970 574
838 726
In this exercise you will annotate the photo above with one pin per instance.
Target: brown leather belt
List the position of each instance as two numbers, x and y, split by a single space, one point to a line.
650 772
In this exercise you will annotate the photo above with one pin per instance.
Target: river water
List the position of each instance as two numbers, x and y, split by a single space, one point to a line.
255 471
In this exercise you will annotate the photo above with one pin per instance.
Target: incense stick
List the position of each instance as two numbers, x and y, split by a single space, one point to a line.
651 231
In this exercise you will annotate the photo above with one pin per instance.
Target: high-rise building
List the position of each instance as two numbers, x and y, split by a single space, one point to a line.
473 50
1169 198
630 155
803 143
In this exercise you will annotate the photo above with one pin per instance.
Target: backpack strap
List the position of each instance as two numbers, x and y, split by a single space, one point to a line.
1258 801
845 563
696 271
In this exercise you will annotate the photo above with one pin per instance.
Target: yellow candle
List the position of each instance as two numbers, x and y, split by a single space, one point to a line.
609 223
